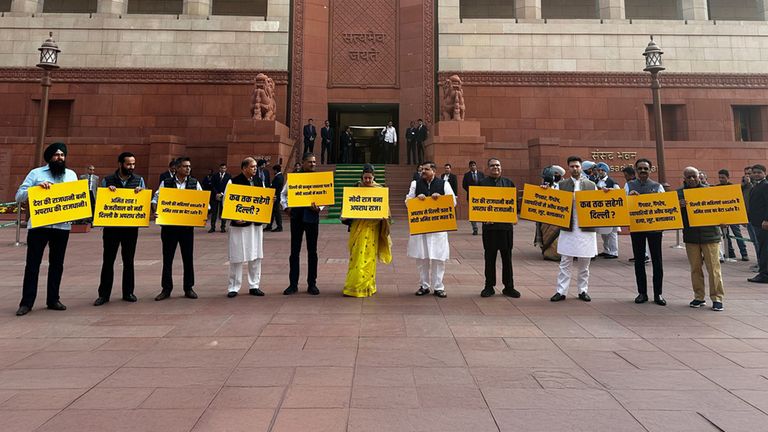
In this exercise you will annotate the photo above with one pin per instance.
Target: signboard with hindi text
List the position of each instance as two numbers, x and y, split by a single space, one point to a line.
431 215
365 203
654 212
122 208
307 188
182 207
718 205
549 206
248 203
493 204
599 208
63 202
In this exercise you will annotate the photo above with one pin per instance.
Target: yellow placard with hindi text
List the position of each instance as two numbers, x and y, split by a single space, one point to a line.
549 206
312 187
63 202
122 208
365 203
248 203
182 207
493 204
654 212
718 205
599 208
431 215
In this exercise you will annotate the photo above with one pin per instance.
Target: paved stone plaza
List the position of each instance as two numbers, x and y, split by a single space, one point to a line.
393 362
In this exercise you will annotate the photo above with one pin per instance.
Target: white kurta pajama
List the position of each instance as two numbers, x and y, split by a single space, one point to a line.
579 244
245 246
431 250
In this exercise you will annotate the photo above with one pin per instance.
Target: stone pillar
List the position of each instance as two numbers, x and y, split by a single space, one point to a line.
197 7
762 10
27 6
112 7
528 9
612 9
694 10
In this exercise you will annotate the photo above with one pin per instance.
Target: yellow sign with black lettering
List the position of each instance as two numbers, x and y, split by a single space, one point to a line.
63 202
122 208
493 204
248 203
307 188
431 215
365 203
182 207
549 206
719 205
654 212
599 208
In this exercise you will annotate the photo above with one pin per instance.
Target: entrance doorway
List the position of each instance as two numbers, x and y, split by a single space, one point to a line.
366 122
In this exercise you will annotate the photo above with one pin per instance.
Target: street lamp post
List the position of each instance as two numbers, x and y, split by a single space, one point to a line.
49 56
654 65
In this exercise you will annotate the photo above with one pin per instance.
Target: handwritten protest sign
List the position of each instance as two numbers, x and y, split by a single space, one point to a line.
721 205
184 207
550 206
365 203
248 203
654 212
492 204
122 208
307 188
63 202
431 215
602 209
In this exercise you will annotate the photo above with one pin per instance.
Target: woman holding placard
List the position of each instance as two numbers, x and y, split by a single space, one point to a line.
368 241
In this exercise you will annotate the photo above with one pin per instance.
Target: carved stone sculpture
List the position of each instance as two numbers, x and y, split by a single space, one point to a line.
263 98
452 107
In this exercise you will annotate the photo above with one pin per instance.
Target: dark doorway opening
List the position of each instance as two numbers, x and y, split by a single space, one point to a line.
366 122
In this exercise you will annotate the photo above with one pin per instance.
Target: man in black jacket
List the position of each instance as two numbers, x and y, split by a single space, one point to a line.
421 136
450 177
757 211
471 178
310 133
347 142
326 137
277 185
218 184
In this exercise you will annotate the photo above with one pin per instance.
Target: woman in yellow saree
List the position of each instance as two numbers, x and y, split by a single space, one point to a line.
369 240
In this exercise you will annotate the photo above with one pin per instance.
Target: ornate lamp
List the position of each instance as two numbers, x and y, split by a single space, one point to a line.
49 57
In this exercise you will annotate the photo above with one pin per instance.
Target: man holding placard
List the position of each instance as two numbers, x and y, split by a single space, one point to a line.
497 238
54 236
123 238
610 235
432 250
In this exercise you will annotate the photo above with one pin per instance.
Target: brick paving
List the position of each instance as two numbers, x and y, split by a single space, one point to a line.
394 362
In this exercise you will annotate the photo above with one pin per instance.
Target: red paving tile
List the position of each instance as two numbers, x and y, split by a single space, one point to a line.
392 362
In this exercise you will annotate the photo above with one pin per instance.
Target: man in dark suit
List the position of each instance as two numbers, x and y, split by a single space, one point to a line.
262 172
347 146
757 212
310 133
171 171
218 185
471 178
326 137
421 136
410 139
450 178
277 184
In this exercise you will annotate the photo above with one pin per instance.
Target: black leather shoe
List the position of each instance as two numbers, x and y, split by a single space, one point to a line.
585 297
557 297
130 298
256 292
163 295
422 291
23 310
313 290
268 228
232 294
758 279
511 292
641 298
212 230
223 229
100 301
440 293
487 292
290 290
57 306
190 294
660 301
277 230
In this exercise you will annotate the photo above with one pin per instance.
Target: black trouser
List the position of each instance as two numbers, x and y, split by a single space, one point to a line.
298 228
736 230
411 150
325 152
347 154
638 251
420 150
309 146
184 237
277 217
498 241
216 208
37 240
114 238
762 252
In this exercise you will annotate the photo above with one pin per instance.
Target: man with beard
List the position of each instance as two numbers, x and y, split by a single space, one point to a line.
123 238
54 236
610 235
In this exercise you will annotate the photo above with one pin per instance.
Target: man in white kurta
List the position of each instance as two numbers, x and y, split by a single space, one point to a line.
610 235
431 250
576 246
245 240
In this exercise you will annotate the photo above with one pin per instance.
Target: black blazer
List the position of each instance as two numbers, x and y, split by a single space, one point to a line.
326 133
277 183
267 183
453 181
421 133
309 133
467 181
757 210
347 140
219 184
165 175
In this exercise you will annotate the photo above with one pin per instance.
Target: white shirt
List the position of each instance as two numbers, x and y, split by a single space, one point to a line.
390 134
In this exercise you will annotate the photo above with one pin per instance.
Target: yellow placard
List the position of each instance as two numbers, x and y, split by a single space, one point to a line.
248 203
719 205
654 212
182 207
122 208
431 215
602 209
63 202
549 206
493 204
307 188
365 203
